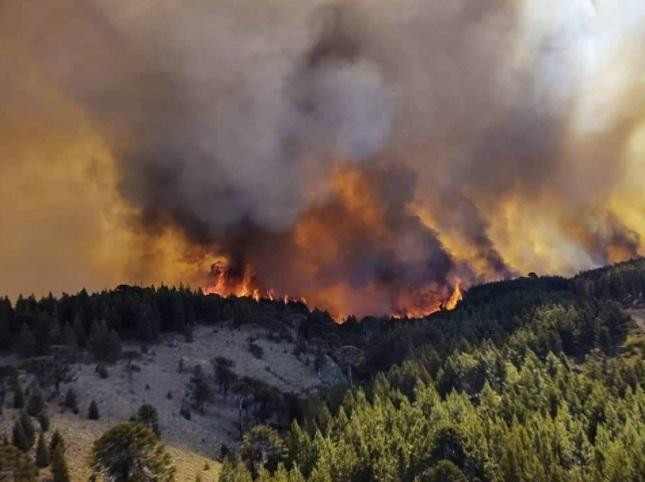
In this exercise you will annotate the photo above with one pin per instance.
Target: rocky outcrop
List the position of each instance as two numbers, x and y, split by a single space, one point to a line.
329 372
194 366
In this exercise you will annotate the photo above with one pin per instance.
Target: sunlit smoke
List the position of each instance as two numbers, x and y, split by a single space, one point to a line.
371 156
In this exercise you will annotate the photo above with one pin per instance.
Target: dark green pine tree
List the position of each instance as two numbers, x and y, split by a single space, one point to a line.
68 337
147 415
42 333
15 465
43 421
56 443
35 402
23 433
71 401
42 452
26 342
28 428
130 451
6 321
104 343
18 396
60 473
93 411
18 437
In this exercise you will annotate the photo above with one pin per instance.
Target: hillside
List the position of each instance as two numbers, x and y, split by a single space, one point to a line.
537 378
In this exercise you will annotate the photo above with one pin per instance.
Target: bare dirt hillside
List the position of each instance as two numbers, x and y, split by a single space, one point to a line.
79 434
158 380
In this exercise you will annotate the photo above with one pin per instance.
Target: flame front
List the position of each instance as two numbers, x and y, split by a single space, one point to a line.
225 282
455 297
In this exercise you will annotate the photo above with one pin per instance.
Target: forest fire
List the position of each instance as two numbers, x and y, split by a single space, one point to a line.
227 281
334 159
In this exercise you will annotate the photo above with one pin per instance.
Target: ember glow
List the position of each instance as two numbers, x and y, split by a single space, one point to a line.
369 156
227 281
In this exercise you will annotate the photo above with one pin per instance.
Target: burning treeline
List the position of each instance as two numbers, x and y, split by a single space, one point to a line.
367 155
351 255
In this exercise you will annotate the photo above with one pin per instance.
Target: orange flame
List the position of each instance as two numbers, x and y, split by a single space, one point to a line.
226 284
434 306
456 296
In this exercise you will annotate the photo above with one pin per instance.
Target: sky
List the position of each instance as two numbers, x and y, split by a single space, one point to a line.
358 152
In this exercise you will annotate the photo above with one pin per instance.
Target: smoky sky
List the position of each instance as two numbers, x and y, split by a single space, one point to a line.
230 120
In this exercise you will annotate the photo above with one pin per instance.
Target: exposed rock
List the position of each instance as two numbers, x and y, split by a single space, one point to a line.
329 372
194 366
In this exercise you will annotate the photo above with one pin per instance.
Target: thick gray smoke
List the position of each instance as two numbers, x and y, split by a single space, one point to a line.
233 118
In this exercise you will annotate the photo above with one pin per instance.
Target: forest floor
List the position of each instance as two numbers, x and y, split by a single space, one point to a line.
158 381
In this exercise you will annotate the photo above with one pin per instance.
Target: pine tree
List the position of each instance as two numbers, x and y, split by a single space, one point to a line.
130 451
18 397
26 343
60 473
80 335
443 471
69 336
71 400
28 428
43 421
104 343
301 448
42 452
93 412
6 320
234 471
56 442
15 465
262 447
42 333
35 403
147 415
18 437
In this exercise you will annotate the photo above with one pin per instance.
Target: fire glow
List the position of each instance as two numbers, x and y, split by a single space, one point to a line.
225 283
366 155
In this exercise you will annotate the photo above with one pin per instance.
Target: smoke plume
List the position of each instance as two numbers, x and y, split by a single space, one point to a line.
366 154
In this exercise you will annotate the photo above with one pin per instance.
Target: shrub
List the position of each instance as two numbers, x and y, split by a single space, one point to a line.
93 411
184 411
224 452
256 350
102 370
